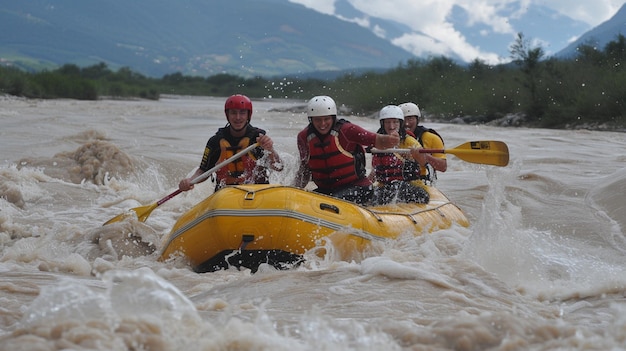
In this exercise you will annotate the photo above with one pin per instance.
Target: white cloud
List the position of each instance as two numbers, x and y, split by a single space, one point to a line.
446 41
323 6
422 45
591 12
379 31
363 22
434 35
415 14
482 12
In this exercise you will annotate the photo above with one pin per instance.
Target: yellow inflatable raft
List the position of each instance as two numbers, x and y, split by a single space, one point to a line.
246 225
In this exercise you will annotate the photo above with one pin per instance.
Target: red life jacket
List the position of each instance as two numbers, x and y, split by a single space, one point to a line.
388 167
331 165
242 170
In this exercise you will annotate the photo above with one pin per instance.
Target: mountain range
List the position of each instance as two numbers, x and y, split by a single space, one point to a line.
242 37
599 36
157 37
544 25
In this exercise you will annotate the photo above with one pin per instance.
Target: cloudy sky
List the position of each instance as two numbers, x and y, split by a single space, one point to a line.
482 12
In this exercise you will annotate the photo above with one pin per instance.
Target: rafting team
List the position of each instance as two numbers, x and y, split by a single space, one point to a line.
332 153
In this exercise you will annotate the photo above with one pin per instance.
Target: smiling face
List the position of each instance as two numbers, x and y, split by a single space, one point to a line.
410 122
322 124
238 118
391 125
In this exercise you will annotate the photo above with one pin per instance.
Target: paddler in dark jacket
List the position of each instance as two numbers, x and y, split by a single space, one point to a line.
234 137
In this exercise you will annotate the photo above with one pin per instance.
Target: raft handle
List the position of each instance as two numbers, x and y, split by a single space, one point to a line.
245 240
329 207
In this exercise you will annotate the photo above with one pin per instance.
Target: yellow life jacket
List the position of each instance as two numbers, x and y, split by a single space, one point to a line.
241 171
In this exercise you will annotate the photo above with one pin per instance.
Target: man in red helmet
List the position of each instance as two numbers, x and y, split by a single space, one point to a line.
238 134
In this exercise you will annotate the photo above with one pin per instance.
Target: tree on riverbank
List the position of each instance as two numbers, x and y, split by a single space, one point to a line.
528 59
588 90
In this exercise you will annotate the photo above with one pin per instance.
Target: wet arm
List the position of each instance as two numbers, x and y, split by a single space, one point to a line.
267 144
185 184
303 176
439 164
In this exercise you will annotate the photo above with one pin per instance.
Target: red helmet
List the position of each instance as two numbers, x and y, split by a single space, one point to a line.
238 102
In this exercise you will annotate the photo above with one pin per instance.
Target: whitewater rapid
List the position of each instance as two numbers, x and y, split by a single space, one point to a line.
540 267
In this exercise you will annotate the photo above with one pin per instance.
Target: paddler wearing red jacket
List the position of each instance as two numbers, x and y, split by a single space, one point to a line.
397 174
332 153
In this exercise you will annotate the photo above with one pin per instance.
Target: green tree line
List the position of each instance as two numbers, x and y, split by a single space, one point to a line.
588 89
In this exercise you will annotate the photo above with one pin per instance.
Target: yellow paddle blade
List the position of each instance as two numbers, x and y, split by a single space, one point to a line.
489 152
118 218
142 212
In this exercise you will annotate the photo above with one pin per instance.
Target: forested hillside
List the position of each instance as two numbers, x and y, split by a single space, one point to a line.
587 91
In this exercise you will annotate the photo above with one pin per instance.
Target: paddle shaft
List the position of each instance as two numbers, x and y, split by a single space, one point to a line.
143 212
489 152
403 151
206 174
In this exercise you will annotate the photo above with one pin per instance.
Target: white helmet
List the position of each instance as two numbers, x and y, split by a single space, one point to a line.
391 111
321 106
410 109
